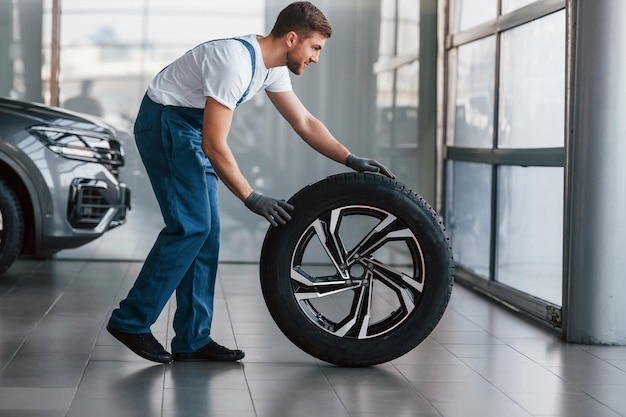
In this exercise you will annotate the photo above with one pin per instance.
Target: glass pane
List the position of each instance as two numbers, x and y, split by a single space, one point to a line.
397 89
465 14
408 30
532 84
407 86
473 95
405 159
237 7
510 5
468 214
530 230
189 30
384 90
99 29
386 44
98 6
116 99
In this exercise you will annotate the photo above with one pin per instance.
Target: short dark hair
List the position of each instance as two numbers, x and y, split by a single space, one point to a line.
303 18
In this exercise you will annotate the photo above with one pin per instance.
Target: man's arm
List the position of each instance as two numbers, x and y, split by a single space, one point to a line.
317 135
216 123
309 128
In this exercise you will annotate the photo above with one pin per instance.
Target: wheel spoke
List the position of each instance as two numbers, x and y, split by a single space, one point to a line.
358 320
400 283
310 293
326 231
388 229
300 275
316 287
398 277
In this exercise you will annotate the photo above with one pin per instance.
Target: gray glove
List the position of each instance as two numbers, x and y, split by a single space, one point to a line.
275 211
370 165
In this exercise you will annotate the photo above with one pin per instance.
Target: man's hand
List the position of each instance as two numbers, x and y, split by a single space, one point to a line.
370 165
275 211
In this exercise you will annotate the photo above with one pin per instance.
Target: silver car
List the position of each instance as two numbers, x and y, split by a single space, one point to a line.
59 180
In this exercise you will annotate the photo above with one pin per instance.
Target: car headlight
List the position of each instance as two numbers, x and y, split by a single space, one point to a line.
83 145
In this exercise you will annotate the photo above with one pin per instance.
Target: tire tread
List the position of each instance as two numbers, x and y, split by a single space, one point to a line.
13 227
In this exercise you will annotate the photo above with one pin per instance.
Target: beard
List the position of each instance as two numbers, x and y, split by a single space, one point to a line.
293 65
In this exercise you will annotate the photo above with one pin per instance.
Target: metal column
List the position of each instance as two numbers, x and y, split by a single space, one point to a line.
595 308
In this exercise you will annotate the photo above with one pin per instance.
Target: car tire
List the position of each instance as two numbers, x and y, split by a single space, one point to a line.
361 274
11 227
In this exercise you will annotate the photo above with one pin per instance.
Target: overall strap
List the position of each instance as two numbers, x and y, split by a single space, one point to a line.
250 49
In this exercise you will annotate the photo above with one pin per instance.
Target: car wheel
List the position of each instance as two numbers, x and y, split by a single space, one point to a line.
11 227
361 274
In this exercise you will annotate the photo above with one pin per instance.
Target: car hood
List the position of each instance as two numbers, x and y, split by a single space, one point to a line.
54 116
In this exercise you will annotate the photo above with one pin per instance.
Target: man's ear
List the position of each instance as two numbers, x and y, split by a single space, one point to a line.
291 38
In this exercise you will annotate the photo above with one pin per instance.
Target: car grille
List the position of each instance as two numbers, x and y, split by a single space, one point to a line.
91 203
91 206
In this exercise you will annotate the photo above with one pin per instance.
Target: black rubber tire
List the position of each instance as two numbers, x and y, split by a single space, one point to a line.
12 230
422 283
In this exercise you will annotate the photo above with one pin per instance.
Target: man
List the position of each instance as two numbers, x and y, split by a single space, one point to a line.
181 132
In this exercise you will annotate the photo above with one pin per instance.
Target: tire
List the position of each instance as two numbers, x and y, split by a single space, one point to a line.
361 274
11 227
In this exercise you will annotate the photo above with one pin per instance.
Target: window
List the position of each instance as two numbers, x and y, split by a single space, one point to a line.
397 73
504 146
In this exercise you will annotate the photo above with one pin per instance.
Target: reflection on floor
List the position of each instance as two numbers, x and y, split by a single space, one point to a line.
482 360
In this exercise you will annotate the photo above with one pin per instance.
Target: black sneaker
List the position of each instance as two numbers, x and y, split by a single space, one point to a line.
211 352
143 344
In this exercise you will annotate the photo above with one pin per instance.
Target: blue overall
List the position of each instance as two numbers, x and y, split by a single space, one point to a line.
184 257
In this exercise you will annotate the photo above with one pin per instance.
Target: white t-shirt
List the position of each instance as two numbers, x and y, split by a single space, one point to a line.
220 69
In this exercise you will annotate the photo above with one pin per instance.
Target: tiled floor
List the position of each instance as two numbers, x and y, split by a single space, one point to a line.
482 360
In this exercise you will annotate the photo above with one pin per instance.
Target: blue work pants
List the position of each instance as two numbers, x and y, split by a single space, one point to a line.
184 257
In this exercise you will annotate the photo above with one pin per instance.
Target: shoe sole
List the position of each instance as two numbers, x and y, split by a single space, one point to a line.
184 357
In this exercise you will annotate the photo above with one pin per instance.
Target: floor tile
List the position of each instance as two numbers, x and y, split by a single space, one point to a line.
35 399
562 404
182 375
205 401
438 373
462 392
480 409
360 398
